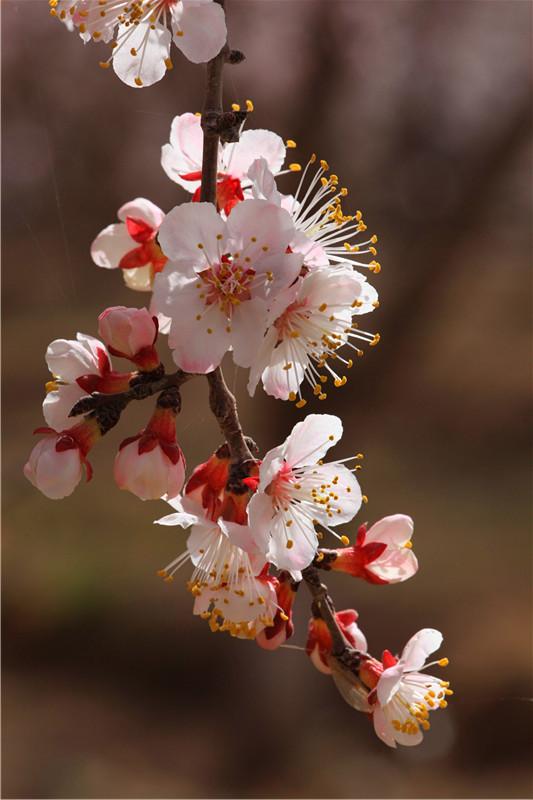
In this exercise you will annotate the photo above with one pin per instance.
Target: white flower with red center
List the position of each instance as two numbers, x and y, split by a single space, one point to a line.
325 233
143 31
131 246
221 279
404 696
297 491
308 323
79 367
229 584
181 159
382 554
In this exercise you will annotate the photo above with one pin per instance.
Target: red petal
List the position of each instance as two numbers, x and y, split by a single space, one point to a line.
134 259
192 176
139 230
373 551
388 660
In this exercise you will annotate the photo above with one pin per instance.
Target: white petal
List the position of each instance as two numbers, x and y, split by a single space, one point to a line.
347 490
418 648
187 226
389 683
383 727
260 512
269 225
152 46
253 144
183 153
279 381
144 209
58 404
312 438
239 535
248 325
262 359
395 566
68 359
263 183
303 536
204 30
111 245
395 530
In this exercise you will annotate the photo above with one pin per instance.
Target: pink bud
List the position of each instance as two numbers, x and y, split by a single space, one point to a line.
149 467
318 644
55 466
272 637
130 333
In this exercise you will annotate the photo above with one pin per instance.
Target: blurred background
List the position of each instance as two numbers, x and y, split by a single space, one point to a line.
110 687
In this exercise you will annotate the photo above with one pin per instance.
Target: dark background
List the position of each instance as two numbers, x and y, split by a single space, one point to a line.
110 687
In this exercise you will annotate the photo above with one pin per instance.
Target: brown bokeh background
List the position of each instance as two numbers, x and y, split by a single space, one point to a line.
111 688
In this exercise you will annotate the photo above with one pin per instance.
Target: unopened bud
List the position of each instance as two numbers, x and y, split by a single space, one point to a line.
131 333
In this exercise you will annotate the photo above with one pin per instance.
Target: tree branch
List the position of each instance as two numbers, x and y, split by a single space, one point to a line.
214 124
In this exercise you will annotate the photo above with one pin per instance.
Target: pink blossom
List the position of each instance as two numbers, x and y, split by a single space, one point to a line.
151 463
145 30
297 491
382 554
55 463
230 584
308 324
181 159
221 279
402 695
130 333
131 245
79 367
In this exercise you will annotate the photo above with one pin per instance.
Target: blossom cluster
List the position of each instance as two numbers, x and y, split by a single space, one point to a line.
275 280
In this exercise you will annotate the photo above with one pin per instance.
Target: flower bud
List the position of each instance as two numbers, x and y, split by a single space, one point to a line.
55 464
272 637
318 644
151 463
208 481
131 333
380 555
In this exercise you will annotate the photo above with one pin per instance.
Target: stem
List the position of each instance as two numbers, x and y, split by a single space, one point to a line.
224 407
211 113
221 401
324 605
139 391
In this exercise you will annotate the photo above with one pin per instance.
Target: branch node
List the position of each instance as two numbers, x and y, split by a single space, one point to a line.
235 57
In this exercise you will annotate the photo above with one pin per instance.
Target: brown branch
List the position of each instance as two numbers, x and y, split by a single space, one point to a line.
214 125
326 609
211 113
138 391
224 407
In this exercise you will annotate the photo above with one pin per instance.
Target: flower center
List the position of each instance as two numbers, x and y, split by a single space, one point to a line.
226 284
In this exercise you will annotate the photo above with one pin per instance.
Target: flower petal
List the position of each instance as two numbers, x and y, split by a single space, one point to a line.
110 245
203 25
151 45
394 530
418 648
311 439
